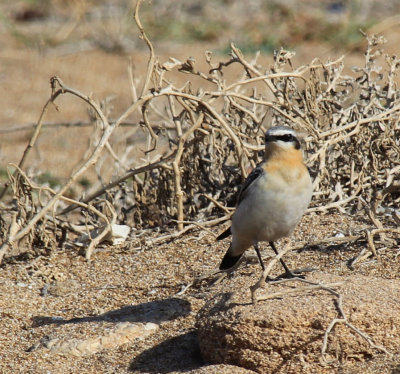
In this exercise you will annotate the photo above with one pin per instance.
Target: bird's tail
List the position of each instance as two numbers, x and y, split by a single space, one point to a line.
229 260
225 234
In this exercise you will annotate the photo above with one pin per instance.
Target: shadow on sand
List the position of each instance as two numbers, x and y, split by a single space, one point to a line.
178 354
157 311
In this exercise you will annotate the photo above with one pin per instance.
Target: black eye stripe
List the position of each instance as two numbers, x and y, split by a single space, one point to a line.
284 138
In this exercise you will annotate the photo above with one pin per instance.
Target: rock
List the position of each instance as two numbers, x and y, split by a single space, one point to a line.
285 335
61 288
123 333
116 235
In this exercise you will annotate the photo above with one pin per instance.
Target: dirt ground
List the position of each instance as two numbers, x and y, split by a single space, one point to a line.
62 296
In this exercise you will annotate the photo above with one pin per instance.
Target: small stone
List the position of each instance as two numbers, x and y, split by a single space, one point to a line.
63 288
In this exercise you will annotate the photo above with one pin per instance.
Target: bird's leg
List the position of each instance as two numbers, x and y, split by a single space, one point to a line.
288 273
265 274
256 247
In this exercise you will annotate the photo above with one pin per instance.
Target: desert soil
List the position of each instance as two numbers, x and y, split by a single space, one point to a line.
64 297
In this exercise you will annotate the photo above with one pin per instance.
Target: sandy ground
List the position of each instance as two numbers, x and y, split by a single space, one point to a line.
64 297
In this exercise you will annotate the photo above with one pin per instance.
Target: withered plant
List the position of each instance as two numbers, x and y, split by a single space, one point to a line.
201 139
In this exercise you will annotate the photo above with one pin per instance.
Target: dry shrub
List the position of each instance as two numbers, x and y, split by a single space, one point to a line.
205 137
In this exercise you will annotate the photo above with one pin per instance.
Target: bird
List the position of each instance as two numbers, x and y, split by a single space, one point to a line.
272 199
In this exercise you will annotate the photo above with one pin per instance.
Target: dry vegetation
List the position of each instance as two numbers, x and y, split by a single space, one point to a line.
195 142
206 135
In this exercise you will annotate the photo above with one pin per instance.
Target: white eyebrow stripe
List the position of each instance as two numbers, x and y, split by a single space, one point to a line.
279 131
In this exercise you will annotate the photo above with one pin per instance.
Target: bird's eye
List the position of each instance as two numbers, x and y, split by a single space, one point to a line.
287 137
284 138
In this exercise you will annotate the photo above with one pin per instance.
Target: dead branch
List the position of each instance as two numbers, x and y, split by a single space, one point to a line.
211 132
192 226
345 320
152 58
92 159
112 184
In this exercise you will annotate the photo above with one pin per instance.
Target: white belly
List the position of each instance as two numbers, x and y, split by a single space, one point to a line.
271 212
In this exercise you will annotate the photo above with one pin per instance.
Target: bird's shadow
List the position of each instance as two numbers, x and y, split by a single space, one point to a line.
156 311
346 247
323 248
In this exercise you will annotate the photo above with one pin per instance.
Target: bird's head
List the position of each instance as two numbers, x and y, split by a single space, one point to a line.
281 139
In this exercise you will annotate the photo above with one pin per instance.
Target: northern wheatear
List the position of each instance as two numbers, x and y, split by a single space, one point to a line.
272 200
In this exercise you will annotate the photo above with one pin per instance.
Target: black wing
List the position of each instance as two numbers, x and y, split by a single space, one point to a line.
225 234
255 174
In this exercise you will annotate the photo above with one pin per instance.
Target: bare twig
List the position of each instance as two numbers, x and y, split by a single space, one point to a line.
152 59
177 234
112 184
345 320
92 159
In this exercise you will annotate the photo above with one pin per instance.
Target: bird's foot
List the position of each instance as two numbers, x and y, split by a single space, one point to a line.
292 274
297 273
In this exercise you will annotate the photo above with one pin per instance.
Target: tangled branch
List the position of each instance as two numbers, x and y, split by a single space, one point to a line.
202 139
